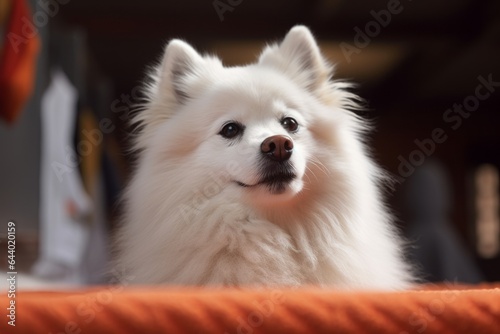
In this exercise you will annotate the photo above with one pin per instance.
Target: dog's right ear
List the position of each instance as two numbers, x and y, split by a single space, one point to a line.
299 57
181 64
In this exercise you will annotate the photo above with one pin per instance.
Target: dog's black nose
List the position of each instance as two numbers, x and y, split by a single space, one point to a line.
278 148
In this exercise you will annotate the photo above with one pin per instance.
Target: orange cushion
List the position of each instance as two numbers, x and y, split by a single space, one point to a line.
121 310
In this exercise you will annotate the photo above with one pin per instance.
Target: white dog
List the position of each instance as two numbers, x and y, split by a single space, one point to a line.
256 175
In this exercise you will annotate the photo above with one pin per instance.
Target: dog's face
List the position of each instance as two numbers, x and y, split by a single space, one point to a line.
258 138
255 129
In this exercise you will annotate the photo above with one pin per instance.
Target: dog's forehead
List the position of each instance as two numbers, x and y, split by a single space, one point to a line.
256 89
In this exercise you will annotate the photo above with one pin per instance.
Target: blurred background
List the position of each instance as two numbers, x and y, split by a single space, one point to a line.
71 70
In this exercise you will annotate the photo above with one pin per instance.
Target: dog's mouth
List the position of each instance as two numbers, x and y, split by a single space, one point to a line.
275 181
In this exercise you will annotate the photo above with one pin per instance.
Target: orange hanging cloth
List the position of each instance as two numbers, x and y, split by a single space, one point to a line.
17 61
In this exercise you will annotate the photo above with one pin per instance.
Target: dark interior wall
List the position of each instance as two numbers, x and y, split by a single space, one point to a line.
395 140
20 154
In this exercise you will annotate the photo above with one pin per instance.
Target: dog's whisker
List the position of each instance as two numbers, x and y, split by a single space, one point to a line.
320 166
312 172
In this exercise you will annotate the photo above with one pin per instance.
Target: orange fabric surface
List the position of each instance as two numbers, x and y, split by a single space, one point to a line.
122 310
18 61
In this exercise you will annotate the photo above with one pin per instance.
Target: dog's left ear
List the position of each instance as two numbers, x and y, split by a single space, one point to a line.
299 57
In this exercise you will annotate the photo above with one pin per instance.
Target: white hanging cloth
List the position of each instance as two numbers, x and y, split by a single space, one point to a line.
64 204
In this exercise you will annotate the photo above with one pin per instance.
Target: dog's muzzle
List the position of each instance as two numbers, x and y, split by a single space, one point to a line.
276 171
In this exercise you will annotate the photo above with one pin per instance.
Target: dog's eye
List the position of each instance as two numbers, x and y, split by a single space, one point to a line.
231 130
290 124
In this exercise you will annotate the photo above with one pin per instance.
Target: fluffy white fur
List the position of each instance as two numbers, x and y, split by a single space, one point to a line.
188 221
